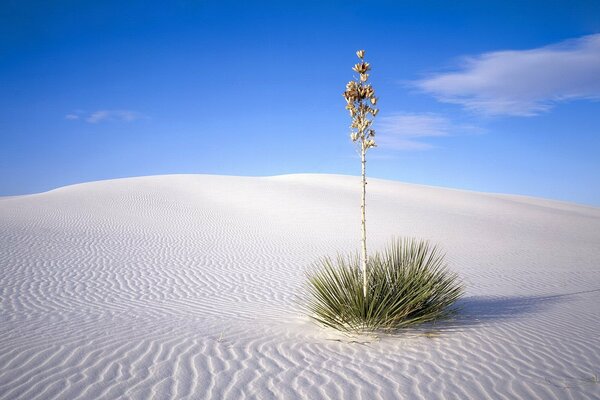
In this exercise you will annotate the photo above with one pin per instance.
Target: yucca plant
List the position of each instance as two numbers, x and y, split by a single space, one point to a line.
408 284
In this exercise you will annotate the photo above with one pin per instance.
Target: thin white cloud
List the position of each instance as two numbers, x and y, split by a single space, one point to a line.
112 115
407 131
104 116
98 116
522 82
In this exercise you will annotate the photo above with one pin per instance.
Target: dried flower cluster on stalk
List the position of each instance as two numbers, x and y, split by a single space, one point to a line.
360 97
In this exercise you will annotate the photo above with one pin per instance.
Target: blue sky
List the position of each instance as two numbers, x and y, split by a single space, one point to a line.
486 96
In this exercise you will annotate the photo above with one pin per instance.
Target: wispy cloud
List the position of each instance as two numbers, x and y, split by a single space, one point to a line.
525 82
407 131
104 116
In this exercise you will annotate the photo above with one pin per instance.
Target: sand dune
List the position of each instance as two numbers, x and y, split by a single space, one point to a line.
186 286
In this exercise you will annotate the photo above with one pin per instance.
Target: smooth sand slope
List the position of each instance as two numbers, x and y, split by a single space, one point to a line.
185 286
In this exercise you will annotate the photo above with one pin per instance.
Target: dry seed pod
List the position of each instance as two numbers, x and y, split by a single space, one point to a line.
362 67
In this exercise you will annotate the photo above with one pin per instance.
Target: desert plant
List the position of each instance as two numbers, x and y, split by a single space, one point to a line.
359 97
408 284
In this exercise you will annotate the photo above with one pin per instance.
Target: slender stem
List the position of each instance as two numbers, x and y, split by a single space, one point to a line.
363 219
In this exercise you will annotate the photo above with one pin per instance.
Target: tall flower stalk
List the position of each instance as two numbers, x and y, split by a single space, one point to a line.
360 99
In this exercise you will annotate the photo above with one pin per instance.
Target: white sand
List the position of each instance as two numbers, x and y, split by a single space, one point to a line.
184 286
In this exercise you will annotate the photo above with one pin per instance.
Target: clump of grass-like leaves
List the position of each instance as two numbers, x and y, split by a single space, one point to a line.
408 283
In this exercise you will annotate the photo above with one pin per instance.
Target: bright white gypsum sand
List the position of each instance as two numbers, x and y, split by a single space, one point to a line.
185 286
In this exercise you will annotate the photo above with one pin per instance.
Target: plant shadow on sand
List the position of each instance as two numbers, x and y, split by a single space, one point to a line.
479 310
